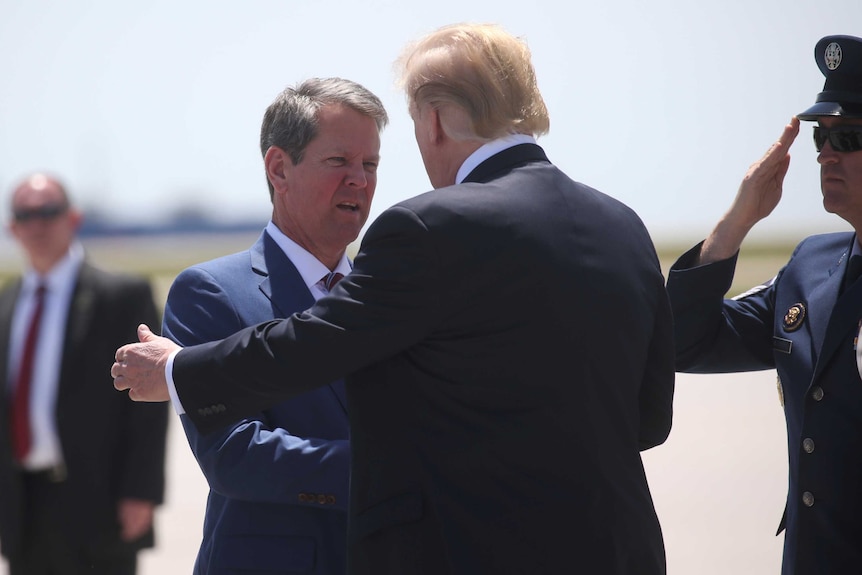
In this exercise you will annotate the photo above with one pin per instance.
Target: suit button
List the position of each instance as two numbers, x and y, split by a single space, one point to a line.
303 497
808 445
330 499
817 393
808 499
321 499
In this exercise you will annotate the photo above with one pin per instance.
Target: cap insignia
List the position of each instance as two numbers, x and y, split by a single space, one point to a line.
833 56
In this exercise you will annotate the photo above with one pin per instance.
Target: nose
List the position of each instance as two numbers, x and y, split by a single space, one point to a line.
356 175
827 154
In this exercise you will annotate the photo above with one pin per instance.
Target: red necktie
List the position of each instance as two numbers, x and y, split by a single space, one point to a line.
20 416
332 279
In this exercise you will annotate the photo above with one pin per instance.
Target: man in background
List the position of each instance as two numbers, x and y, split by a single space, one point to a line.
279 478
81 470
506 339
804 322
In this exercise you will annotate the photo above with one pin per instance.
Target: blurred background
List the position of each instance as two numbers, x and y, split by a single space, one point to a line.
150 112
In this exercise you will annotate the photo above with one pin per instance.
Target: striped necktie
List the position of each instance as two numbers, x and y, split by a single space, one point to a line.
331 279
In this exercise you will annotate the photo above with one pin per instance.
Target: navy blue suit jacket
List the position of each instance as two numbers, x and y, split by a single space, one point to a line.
279 478
798 324
510 351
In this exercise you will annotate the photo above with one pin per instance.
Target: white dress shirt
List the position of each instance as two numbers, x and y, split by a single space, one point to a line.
45 450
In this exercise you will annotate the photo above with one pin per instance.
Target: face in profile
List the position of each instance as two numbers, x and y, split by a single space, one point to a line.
841 171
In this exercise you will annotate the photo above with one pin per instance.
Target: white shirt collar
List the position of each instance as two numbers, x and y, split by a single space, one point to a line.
308 266
489 149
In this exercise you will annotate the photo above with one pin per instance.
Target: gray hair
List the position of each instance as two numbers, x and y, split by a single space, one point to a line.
291 121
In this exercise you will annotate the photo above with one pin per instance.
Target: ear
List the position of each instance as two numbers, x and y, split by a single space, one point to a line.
277 163
436 132
76 218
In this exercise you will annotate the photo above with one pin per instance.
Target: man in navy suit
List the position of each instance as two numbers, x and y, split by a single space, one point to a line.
506 339
279 478
803 322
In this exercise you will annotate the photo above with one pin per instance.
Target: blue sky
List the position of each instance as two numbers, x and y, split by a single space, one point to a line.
147 107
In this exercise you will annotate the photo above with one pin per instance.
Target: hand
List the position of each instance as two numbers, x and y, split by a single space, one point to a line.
135 517
762 185
759 193
140 367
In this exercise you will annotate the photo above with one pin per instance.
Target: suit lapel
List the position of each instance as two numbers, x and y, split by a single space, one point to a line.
843 317
284 287
82 307
7 305
821 304
280 281
501 162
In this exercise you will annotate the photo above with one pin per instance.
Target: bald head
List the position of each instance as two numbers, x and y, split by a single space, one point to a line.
43 221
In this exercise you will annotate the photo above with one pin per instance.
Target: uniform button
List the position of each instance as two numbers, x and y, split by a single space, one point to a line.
808 499
808 445
817 393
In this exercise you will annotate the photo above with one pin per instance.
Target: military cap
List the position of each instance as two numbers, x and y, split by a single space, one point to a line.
840 60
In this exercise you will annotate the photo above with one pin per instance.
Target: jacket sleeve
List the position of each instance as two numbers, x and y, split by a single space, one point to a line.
252 460
657 388
713 334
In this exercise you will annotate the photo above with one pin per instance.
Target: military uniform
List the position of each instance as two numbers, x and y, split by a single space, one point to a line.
800 325
805 324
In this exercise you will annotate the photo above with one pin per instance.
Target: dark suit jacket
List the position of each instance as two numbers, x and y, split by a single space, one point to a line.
509 348
813 353
279 478
113 447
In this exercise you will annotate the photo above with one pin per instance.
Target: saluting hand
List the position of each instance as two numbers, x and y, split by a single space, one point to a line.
759 193
762 185
140 367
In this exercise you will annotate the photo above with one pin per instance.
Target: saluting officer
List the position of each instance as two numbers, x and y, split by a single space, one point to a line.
803 322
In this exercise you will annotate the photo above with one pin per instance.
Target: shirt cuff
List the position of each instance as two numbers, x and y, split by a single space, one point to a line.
172 389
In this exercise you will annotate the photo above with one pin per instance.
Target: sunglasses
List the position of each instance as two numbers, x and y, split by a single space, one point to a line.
841 138
46 212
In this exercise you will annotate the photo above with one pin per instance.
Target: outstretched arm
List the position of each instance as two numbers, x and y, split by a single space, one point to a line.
759 193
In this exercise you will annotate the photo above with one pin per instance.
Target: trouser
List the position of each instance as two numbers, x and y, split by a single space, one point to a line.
47 549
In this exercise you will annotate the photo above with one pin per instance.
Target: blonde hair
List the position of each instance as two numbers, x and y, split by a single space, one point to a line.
480 69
